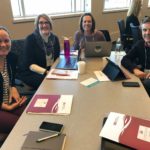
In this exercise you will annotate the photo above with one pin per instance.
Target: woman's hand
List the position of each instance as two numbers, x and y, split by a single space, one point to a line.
14 104
139 73
14 94
147 76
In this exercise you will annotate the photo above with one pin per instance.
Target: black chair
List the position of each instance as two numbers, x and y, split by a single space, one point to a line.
136 32
108 38
17 48
126 40
106 34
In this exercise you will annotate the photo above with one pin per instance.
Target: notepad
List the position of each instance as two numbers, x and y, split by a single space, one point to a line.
55 143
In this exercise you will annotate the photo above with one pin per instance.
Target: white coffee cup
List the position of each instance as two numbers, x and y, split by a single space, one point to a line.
81 67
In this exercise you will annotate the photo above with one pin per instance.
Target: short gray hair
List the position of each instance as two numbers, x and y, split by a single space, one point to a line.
5 29
146 19
45 17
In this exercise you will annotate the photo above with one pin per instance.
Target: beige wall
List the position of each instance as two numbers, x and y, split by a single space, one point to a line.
67 26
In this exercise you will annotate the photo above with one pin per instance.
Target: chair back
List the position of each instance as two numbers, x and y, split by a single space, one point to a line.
121 26
136 32
106 34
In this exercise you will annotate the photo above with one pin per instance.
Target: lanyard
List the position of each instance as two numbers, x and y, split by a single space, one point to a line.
145 58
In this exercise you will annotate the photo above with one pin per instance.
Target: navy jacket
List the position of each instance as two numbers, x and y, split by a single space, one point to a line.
136 57
34 53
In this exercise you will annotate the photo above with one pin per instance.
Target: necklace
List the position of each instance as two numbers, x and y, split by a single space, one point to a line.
89 37
2 64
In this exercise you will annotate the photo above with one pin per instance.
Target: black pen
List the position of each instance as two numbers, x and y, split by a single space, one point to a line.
47 137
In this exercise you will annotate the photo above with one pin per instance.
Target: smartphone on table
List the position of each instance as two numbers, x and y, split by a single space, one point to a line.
130 84
51 127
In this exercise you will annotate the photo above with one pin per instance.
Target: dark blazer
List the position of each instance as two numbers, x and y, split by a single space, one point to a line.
34 53
136 57
131 19
11 66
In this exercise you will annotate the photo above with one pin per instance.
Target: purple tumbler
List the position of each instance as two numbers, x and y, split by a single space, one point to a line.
67 48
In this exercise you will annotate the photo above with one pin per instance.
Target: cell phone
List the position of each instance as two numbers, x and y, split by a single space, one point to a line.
51 127
130 84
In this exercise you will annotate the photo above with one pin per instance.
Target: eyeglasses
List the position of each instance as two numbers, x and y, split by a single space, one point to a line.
4 40
42 23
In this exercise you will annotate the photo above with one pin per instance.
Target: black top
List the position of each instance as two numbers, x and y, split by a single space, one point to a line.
11 66
34 52
131 19
135 58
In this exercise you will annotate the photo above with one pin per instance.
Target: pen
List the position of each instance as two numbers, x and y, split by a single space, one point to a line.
47 137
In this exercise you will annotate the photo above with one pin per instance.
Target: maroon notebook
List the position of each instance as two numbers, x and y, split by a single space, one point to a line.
50 104
128 130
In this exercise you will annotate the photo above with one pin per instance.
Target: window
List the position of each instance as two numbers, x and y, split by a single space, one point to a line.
116 4
149 3
30 8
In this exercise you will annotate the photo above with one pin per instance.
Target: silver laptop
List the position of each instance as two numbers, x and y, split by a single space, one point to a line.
98 49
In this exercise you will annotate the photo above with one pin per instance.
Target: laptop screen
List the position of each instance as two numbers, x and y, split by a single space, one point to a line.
68 64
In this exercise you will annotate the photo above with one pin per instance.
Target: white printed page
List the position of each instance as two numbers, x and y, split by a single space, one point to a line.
101 76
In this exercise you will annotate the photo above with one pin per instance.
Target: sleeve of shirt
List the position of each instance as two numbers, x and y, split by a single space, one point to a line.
76 41
129 60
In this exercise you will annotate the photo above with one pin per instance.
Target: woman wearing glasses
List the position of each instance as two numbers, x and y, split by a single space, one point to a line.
41 49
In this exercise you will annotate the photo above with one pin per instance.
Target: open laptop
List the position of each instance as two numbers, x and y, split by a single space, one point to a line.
98 49
67 63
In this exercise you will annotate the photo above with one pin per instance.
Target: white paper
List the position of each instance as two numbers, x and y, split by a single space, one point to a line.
101 76
64 74
144 133
41 102
64 104
88 82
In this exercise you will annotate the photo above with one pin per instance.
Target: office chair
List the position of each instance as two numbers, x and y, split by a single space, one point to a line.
108 38
16 48
136 32
126 40
106 34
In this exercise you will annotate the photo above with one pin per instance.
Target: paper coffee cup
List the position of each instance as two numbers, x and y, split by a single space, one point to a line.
81 67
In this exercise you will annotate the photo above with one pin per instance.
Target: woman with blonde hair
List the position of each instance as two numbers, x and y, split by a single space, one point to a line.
132 15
